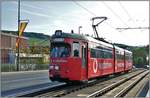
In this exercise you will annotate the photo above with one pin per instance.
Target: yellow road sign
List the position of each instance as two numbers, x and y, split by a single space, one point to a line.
22 27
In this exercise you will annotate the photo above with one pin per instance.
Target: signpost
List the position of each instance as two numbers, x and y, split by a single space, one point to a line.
21 27
18 35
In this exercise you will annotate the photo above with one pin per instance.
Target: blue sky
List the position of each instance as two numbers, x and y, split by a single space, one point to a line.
48 16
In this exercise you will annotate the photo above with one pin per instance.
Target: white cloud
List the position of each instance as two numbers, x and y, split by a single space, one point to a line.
35 13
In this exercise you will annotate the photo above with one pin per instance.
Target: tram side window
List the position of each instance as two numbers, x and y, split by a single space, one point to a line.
127 57
119 56
93 53
108 54
98 53
76 49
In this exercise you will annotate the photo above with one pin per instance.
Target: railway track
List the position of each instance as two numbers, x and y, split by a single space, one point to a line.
120 88
75 90
89 91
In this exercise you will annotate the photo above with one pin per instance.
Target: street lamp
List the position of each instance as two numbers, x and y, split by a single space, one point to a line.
79 29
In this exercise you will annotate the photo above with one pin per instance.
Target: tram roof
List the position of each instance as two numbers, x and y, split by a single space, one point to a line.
87 38
118 48
99 42
81 37
70 35
127 51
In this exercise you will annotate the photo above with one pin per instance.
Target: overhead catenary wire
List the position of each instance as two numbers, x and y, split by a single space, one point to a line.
125 10
122 6
115 13
134 28
141 28
86 9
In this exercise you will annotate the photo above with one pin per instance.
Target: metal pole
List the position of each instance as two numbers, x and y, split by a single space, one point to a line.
79 29
18 50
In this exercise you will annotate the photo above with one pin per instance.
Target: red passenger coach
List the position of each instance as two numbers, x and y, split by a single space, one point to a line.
128 60
100 58
119 59
76 57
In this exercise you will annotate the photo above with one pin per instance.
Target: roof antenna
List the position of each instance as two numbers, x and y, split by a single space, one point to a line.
72 31
96 25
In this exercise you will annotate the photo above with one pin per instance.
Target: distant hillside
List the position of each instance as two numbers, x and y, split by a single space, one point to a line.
29 34
34 37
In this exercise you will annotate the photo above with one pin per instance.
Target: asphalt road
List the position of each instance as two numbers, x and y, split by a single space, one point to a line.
18 83
13 80
13 83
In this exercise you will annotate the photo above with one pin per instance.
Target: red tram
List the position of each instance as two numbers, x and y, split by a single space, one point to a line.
76 57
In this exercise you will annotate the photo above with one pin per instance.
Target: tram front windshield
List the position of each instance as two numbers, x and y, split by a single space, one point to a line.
60 50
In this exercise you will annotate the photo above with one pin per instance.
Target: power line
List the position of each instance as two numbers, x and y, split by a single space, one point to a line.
133 28
84 8
110 25
125 10
90 12
115 14
142 29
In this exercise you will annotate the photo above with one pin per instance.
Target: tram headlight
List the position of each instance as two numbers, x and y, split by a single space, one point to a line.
56 67
51 67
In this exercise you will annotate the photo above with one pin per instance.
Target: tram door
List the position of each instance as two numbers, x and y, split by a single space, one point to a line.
85 59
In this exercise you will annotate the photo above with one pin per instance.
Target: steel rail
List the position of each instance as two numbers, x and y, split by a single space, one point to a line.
112 86
77 88
126 89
